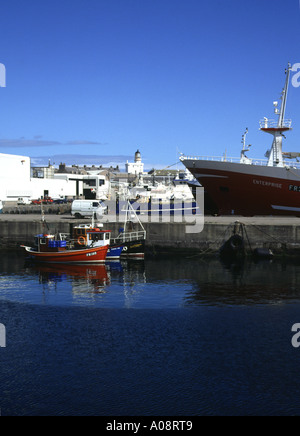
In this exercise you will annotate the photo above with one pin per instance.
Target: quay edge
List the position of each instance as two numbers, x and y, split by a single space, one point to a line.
281 235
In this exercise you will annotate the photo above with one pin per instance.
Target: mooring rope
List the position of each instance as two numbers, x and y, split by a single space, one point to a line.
266 233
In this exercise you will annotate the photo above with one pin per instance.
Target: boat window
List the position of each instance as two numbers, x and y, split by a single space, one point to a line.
91 182
224 189
107 236
80 232
97 236
43 241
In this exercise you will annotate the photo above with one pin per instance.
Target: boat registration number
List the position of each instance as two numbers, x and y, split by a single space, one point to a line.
294 188
91 254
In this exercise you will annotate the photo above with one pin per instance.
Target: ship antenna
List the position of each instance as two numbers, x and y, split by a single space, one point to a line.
284 97
244 159
277 129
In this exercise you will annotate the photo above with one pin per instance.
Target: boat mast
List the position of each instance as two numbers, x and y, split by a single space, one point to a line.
244 159
281 122
277 129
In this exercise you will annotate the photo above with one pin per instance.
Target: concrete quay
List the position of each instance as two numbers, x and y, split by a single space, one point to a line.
280 234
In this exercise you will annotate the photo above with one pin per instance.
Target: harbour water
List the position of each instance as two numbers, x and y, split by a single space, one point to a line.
164 337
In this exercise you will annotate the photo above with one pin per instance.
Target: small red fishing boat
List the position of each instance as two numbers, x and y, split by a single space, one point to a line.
48 249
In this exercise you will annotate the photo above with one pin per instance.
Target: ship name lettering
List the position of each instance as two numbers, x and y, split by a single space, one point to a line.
268 184
294 188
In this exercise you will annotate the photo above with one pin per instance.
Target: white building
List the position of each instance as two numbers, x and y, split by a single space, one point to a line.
19 180
88 186
14 177
137 167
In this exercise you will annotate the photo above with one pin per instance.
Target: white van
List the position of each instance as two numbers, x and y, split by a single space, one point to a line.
23 201
86 208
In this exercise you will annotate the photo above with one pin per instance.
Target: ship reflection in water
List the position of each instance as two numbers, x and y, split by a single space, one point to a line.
171 337
246 283
164 283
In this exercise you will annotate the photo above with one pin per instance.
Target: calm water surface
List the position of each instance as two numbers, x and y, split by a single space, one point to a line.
169 337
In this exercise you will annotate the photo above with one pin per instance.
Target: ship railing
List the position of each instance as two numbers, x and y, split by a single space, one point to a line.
71 243
273 124
289 163
212 158
224 159
67 237
64 236
130 236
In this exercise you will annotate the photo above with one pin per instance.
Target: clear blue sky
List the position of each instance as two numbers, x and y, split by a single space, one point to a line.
105 77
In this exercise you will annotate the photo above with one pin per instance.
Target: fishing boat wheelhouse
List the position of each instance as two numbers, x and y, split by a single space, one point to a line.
89 236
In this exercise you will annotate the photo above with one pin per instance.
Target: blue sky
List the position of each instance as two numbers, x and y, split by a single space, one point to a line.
105 77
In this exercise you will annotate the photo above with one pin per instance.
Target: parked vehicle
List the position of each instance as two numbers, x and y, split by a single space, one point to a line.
23 201
45 200
87 208
60 201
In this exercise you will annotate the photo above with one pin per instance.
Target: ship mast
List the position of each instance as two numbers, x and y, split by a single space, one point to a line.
281 122
277 129
244 159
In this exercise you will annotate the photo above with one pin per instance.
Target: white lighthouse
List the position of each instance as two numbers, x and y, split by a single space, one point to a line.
137 167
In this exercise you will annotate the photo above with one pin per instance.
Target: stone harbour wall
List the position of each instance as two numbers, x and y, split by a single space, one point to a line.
279 236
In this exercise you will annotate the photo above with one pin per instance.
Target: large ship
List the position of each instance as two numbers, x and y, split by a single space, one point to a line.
250 187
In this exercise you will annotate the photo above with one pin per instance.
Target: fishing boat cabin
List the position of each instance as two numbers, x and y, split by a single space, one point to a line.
89 236
84 236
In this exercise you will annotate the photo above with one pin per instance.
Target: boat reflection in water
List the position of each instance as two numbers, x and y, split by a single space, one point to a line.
107 285
165 283
84 278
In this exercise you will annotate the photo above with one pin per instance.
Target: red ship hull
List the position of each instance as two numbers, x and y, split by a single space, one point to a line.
91 255
248 190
